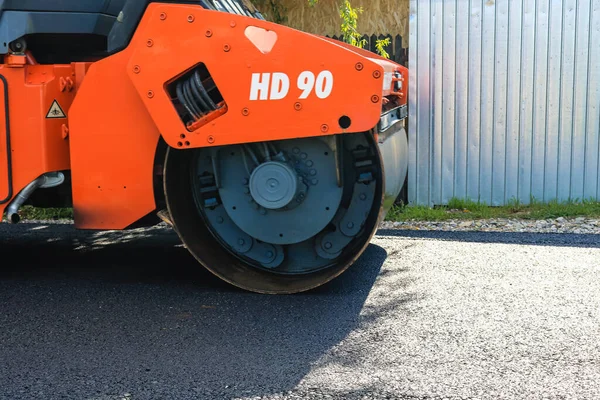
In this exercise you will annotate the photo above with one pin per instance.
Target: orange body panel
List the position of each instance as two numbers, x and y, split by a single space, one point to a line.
113 143
37 142
175 38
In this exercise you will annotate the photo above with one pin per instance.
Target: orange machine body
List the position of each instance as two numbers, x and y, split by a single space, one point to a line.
277 83
34 135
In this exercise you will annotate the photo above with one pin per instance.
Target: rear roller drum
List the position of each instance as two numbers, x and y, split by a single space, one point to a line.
277 217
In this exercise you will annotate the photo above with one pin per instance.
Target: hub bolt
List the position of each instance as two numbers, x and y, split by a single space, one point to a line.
363 196
269 254
328 245
241 242
220 220
350 225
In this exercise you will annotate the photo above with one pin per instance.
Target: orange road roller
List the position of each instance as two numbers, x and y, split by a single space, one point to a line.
273 153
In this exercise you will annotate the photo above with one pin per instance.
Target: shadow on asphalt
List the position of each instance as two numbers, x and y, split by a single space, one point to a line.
83 318
518 238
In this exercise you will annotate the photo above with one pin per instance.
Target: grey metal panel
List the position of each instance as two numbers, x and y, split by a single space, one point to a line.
437 87
487 102
504 100
526 101
513 103
592 164
578 145
462 97
540 77
448 99
565 134
474 99
553 104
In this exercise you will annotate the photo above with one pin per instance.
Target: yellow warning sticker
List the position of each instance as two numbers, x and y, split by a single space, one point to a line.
56 111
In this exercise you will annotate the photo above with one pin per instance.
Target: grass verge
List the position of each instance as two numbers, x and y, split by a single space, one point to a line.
55 214
456 209
466 209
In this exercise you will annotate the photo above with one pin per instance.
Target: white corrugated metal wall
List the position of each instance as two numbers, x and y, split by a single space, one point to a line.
504 100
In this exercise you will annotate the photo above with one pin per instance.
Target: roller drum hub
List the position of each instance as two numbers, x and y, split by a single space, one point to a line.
274 185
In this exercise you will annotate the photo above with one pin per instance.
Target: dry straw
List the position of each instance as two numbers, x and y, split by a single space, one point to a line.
378 17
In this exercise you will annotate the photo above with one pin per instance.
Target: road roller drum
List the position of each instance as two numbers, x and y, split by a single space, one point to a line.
272 153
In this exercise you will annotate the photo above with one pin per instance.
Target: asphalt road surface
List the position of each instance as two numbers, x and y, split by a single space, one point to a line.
87 315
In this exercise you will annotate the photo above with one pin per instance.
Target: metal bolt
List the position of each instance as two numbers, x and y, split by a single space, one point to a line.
303 156
232 24
296 150
245 181
375 98
359 66
350 225
315 181
220 220
245 112
190 18
136 69
163 16
208 33
309 164
150 43
328 245
150 94
313 172
226 48
210 139
269 254
241 242
376 74
324 128
363 197
298 106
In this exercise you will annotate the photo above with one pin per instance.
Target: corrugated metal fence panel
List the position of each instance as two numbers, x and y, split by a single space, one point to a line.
504 100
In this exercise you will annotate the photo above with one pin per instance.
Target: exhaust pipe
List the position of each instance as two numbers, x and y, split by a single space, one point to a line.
45 181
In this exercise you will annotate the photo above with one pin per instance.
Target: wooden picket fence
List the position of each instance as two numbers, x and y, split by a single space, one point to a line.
397 53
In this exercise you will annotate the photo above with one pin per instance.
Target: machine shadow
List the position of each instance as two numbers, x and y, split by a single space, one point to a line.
113 313
519 238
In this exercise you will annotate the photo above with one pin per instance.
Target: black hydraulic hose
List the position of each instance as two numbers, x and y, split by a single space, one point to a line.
203 91
188 95
198 96
182 99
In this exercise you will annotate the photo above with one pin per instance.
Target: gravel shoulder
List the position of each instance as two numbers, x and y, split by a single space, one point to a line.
578 225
